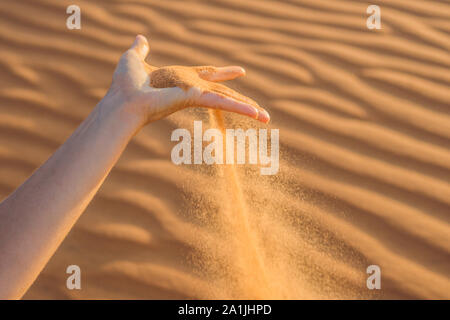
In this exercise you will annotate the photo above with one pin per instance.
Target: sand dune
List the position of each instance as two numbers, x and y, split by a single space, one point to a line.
364 119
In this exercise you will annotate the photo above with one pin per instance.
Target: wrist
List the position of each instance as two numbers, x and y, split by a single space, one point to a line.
113 107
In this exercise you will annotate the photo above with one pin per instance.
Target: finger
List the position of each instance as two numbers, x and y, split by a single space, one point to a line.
219 101
131 66
140 45
210 73
263 115
226 91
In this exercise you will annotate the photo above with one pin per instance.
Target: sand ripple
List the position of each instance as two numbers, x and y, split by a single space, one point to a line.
364 129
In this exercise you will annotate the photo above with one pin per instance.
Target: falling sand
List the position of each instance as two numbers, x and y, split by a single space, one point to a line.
252 282
244 269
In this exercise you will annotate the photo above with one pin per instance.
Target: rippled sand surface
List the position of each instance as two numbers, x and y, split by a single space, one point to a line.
364 123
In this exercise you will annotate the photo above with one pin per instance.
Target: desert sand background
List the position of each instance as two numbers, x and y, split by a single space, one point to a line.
364 123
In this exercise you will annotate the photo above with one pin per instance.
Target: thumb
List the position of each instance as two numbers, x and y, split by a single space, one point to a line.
140 45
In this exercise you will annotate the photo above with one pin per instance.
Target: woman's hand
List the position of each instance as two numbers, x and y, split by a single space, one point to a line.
37 216
150 93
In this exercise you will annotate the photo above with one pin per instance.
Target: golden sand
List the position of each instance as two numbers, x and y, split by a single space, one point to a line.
364 133
168 77
187 77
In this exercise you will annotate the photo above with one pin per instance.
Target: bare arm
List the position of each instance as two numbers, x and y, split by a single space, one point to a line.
36 218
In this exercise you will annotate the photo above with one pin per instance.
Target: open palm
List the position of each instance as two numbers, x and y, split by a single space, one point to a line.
153 93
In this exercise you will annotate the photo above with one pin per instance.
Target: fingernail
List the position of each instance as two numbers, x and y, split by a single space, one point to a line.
263 116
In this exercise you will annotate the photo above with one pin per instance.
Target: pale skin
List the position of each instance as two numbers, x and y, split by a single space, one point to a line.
38 215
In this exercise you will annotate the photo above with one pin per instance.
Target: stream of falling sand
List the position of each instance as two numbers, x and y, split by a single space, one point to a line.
252 281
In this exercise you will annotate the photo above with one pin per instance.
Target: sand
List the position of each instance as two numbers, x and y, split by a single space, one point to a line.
188 77
364 135
169 77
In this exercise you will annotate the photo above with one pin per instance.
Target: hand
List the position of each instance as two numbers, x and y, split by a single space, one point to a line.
152 93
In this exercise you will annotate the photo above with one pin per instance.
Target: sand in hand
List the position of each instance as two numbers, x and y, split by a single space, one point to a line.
204 78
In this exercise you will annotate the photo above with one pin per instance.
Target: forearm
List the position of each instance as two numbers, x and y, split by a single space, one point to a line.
39 214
